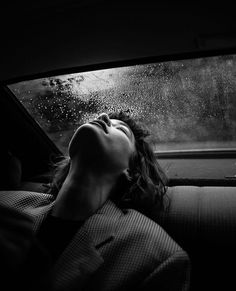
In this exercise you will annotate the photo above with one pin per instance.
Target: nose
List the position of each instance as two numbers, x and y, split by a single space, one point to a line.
104 117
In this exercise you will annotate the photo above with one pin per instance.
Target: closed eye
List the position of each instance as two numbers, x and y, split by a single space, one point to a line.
122 129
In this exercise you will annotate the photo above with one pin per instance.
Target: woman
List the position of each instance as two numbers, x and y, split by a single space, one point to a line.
88 222
139 183
110 169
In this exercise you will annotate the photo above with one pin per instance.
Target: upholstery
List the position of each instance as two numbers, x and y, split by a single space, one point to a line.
203 221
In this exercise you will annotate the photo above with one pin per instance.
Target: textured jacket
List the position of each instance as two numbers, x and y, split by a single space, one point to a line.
113 250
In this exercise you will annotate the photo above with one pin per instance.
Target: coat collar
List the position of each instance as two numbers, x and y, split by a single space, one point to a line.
100 226
82 257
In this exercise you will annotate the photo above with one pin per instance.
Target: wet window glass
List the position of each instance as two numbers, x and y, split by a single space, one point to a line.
185 104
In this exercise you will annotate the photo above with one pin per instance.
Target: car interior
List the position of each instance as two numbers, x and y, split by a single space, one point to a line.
179 56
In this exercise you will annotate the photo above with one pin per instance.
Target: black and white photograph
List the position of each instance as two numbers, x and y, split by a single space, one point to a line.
118 145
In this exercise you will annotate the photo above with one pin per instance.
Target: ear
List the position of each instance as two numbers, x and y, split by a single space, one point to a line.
126 174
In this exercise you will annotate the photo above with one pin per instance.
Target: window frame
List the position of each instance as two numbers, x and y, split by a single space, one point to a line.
162 156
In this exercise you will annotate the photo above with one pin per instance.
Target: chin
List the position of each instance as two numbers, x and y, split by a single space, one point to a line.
88 140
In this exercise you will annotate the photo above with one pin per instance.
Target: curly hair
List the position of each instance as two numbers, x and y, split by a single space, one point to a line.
144 188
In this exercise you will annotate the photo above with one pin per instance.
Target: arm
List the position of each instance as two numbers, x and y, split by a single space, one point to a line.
23 261
172 275
16 235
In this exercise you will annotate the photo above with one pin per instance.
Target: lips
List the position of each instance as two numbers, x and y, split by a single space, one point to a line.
101 124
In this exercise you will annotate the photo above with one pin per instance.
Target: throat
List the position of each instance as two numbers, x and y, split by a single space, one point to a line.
78 201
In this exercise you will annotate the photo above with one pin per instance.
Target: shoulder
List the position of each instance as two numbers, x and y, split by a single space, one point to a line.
138 249
20 198
33 204
148 230
140 231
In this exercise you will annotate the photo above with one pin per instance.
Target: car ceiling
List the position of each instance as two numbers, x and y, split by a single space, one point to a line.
43 36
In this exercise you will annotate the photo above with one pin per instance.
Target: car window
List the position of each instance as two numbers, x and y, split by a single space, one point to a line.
186 104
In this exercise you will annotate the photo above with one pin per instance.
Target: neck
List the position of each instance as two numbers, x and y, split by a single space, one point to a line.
82 194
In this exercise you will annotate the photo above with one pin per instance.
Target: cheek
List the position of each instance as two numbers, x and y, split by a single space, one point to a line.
126 149
122 149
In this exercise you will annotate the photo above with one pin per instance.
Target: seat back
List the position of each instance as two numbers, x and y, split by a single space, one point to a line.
202 220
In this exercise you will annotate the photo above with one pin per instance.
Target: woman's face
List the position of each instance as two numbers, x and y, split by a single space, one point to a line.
104 143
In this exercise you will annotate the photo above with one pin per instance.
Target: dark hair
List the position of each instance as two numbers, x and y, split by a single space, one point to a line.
143 188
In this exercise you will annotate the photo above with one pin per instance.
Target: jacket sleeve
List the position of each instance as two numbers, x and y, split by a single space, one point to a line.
171 275
16 235
24 264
